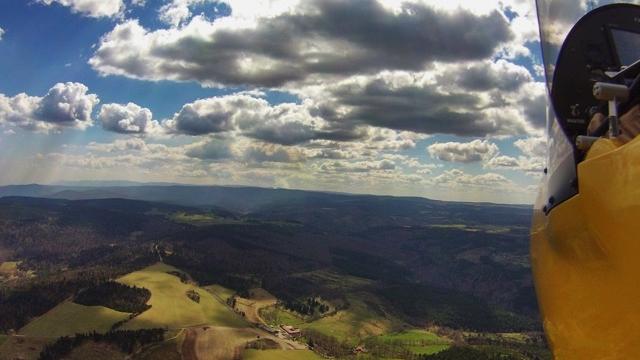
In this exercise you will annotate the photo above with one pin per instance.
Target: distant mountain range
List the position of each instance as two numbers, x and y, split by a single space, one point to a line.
239 199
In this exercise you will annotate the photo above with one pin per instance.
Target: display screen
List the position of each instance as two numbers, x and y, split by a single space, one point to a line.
627 44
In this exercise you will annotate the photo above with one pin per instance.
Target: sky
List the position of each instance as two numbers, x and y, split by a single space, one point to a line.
443 99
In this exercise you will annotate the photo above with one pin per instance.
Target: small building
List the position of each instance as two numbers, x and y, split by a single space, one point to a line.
291 331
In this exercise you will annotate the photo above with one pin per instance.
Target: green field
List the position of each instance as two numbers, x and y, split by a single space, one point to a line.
8 266
3 338
194 219
220 291
170 307
362 319
69 318
276 316
418 341
280 355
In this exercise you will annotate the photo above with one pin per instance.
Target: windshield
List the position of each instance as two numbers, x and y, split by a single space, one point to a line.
556 18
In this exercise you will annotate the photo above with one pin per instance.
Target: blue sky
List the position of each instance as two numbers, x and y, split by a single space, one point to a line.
355 96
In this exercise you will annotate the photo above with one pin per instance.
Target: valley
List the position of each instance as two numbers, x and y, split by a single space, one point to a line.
249 273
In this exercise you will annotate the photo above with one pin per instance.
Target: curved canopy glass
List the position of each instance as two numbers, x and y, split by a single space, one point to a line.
556 18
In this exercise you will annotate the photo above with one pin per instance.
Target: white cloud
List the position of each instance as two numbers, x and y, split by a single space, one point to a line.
531 161
500 75
273 153
357 167
503 161
127 119
64 105
176 12
254 117
119 145
212 149
494 99
474 151
1 33
300 42
533 146
458 178
92 8
214 115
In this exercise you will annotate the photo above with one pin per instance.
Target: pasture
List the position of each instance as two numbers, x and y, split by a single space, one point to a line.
363 318
418 341
69 318
171 308
280 355
276 316
220 291
21 347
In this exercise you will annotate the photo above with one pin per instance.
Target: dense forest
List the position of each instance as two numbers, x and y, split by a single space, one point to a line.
127 341
307 307
19 306
114 295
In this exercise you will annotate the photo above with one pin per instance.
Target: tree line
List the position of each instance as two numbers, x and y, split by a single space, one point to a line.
128 341
310 306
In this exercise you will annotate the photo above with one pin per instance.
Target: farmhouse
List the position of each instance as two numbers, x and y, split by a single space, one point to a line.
291 331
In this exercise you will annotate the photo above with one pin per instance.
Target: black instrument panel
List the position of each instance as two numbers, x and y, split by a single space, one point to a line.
602 46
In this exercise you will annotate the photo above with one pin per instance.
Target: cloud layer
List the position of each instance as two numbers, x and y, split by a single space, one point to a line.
474 151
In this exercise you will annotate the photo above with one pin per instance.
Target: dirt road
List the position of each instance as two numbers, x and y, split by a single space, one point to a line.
259 299
189 345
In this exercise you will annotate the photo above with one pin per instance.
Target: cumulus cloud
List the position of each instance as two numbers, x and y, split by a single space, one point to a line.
500 75
119 145
1 33
533 146
314 38
457 178
417 102
254 117
64 105
503 161
127 119
476 150
176 12
212 149
261 153
531 161
355 65
92 8
213 115
358 167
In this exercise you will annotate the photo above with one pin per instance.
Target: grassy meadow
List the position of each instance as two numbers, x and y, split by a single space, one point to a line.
170 307
220 291
418 341
69 318
360 320
280 355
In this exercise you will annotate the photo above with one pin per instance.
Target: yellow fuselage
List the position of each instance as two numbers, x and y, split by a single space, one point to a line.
586 259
